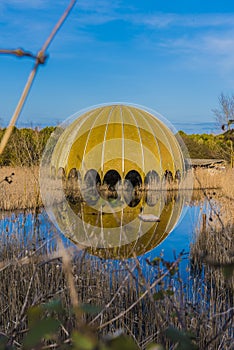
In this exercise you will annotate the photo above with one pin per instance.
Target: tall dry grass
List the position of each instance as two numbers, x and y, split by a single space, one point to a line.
34 271
23 192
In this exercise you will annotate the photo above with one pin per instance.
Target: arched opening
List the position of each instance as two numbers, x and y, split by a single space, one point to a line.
90 192
134 177
109 189
111 178
168 177
73 174
132 188
152 180
92 178
72 188
61 173
178 176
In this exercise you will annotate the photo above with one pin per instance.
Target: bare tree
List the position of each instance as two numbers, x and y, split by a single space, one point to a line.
225 113
225 117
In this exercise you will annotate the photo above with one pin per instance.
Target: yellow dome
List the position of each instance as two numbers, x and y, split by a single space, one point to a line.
107 167
120 138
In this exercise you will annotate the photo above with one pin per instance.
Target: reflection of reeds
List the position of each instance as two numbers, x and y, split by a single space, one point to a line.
32 273
24 191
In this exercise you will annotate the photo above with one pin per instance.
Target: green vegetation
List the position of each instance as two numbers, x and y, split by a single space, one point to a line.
26 146
207 145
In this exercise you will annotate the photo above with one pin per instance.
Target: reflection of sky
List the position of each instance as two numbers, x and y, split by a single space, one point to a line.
176 241
179 239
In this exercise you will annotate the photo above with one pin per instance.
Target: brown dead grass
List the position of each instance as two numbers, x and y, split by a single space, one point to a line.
217 188
23 192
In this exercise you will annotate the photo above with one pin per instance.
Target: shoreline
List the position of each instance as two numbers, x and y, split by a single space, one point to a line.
23 193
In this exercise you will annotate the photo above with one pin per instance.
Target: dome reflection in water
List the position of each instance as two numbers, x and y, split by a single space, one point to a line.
105 171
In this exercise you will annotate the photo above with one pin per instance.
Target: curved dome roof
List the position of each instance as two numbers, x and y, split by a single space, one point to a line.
121 138
111 142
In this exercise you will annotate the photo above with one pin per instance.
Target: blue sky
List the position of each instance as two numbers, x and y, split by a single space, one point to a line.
174 56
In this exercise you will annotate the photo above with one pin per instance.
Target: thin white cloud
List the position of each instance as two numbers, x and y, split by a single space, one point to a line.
207 50
166 20
97 6
24 3
203 43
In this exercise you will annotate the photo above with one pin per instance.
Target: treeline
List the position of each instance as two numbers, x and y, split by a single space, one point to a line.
205 146
26 146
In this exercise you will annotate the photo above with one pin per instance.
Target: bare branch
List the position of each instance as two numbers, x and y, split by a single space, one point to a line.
18 109
18 52
225 112
58 26
154 284
40 59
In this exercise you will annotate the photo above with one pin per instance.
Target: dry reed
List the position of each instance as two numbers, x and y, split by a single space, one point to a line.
33 272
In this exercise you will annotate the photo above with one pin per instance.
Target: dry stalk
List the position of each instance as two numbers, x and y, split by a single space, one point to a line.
39 59
23 309
209 201
113 298
67 268
154 284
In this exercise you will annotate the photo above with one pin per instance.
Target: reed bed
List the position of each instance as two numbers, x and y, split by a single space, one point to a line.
23 192
33 272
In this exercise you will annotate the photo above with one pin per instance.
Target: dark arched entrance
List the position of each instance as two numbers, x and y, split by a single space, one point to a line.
111 178
90 192
133 188
152 180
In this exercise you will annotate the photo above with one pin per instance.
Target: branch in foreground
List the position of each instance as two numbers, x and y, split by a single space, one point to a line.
40 59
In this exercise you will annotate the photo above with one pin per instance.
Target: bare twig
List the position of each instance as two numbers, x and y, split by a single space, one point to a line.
18 109
23 309
18 52
67 268
223 329
113 298
58 26
40 59
121 314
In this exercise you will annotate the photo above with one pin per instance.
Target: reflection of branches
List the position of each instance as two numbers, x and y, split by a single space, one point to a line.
40 58
209 201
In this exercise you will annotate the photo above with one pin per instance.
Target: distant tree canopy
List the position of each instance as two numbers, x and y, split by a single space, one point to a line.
207 146
25 146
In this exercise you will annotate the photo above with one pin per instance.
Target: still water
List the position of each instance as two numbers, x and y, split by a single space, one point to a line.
34 229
